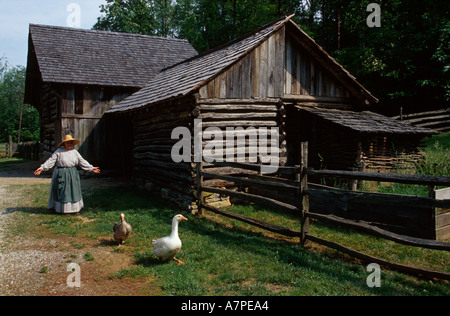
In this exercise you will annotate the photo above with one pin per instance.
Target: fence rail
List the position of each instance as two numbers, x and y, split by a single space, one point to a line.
290 192
27 150
438 120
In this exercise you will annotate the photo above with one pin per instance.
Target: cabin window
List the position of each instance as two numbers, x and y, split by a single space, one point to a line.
75 98
79 97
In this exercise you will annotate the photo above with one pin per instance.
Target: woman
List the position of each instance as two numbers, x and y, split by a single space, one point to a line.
65 191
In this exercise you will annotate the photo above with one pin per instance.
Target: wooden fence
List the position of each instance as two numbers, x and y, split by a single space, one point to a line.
438 120
27 150
288 190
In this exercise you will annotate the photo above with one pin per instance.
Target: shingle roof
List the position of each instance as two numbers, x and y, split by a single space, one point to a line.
190 74
366 122
68 55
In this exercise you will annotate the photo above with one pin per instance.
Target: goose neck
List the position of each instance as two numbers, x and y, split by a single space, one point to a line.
174 229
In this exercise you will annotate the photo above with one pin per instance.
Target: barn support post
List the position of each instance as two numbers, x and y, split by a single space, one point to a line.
302 177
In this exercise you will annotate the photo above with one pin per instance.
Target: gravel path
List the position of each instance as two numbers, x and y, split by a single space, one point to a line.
21 260
30 266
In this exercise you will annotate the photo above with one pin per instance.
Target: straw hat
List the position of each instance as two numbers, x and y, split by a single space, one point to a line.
69 138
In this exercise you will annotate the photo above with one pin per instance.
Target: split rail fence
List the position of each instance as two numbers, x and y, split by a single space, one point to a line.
289 191
438 120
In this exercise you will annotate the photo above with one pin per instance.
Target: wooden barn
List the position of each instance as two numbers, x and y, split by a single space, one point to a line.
277 76
74 76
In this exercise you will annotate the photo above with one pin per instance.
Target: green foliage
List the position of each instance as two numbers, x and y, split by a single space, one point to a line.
205 23
12 85
134 16
434 163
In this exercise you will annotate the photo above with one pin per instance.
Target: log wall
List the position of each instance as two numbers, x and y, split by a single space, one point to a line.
49 117
153 167
241 116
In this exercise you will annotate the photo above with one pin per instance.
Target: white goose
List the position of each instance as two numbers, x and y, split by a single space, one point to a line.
167 248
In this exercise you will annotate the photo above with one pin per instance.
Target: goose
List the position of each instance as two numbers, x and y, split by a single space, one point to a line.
167 248
121 230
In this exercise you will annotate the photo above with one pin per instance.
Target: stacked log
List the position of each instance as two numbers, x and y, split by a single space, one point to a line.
153 165
49 125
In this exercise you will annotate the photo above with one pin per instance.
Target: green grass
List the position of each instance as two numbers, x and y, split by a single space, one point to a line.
227 257
436 162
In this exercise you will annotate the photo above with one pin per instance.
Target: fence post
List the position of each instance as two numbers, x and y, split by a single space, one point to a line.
303 186
10 151
200 200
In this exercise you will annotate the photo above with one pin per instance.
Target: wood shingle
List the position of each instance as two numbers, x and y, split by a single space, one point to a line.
366 122
77 56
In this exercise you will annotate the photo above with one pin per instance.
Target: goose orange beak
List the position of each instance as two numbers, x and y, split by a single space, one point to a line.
183 218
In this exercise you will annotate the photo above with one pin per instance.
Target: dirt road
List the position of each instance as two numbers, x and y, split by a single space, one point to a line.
40 266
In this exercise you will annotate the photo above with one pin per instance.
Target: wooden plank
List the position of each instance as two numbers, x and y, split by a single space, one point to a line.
246 84
288 72
443 194
311 98
228 101
303 178
279 60
256 167
232 116
345 196
238 107
253 181
255 55
271 66
442 215
242 123
263 73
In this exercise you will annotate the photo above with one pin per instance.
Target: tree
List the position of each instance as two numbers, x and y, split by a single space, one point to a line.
11 101
130 16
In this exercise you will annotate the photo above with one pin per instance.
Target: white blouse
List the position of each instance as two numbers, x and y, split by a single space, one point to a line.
66 159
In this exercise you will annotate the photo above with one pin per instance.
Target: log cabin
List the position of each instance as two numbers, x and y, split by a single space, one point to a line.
74 76
276 76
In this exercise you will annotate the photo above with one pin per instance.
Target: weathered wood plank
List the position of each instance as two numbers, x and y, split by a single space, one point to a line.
344 196
253 181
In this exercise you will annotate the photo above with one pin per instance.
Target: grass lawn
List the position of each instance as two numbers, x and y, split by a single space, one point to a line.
227 257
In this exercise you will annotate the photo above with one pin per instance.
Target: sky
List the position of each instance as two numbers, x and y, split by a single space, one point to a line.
16 15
